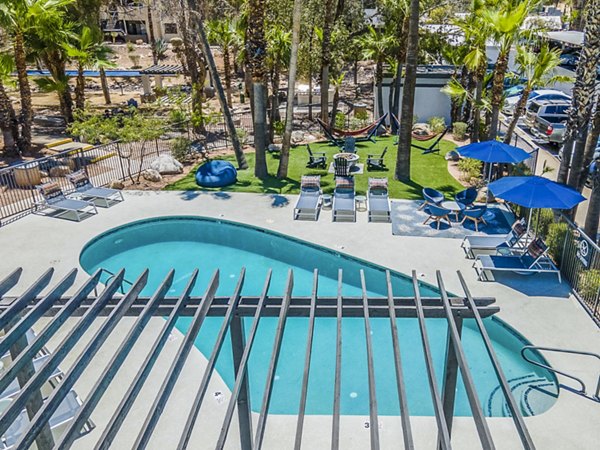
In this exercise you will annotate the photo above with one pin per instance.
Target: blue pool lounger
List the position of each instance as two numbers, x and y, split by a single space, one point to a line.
512 240
53 198
378 201
344 203
87 191
534 260
309 202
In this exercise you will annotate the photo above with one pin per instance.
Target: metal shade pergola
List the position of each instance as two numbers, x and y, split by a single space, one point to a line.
18 314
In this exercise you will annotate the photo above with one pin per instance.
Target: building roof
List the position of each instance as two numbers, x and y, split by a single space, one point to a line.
162 69
572 38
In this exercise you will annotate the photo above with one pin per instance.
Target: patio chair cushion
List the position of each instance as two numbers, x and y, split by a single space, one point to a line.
433 196
519 228
79 179
378 184
310 182
537 248
344 184
51 190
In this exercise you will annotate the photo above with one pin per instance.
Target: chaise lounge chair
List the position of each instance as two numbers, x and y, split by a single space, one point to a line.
315 159
53 198
534 260
344 204
87 191
378 202
309 202
375 162
512 240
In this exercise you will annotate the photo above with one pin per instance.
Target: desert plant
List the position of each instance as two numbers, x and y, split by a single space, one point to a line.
242 135
279 128
340 120
589 283
470 168
459 131
130 47
362 116
180 148
437 124
557 233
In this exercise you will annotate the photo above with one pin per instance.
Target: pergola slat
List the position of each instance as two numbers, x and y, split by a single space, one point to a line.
241 373
180 358
515 411
307 358
68 436
402 400
10 281
264 411
60 392
335 429
136 385
478 416
41 377
444 436
195 410
373 419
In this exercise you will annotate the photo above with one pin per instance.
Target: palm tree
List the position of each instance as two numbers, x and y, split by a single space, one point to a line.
19 18
278 56
580 113
337 82
222 33
506 24
376 46
537 69
8 118
257 51
402 171
151 36
284 157
331 12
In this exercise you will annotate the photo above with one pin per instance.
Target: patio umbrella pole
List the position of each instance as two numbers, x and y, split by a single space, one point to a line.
489 179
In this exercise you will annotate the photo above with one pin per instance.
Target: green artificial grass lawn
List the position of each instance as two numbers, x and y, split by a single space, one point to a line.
426 171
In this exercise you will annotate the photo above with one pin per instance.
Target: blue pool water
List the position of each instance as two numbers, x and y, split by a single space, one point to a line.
186 243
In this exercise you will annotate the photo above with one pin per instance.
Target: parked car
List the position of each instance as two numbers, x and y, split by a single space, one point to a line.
569 60
539 94
547 119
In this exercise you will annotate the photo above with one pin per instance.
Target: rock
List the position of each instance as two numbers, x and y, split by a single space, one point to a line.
209 91
274 148
151 175
297 136
166 164
59 171
44 174
116 184
309 138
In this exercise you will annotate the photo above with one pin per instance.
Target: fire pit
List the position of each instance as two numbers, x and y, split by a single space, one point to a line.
352 158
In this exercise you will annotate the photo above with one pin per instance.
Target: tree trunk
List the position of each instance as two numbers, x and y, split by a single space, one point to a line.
284 157
397 85
26 116
590 147
151 36
334 106
497 92
80 88
275 116
468 82
326 57
476 110
227 68
257 52
8 123
104 84
593 212
355 72
379 82
521 104
408 95
577 12
212 69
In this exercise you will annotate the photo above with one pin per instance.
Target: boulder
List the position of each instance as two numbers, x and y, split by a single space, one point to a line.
151 175
297 137
310 138
116 184
166 164
59 171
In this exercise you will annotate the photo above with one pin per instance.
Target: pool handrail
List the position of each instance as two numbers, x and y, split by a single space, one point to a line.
583 390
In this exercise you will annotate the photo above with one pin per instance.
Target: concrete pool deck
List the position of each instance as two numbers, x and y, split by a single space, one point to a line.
537 306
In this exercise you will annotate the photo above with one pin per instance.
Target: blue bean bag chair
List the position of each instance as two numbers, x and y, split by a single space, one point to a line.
216 174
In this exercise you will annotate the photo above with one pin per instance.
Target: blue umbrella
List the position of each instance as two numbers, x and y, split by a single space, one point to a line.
536 192
493 152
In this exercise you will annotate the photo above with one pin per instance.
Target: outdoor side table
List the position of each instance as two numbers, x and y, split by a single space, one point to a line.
361 202
327 201
454 207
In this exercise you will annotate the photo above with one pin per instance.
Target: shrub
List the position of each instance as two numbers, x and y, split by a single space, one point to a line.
130 47
437 124
557 233
340 120
589 283
541 221
180 148
470 168
242 135
459 131
279 128
178 117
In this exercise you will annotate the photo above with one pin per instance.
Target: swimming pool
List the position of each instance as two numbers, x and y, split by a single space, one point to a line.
185 243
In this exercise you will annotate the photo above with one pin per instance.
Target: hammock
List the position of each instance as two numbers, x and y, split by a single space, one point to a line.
425 137
365 130
336 135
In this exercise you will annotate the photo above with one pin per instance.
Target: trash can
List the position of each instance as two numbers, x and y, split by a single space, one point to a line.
360 109
28 175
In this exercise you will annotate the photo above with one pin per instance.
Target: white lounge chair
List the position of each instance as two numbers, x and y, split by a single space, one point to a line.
344 203
534 260
54 198
309 202
378 201
512 240
86 190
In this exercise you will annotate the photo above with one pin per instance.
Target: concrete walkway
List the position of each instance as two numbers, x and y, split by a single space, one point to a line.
537 306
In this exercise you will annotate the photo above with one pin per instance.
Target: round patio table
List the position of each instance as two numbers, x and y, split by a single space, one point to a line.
454 207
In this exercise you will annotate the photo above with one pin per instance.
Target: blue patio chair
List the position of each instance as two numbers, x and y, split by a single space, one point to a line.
437 214
476 215
349 145
431 197
467 197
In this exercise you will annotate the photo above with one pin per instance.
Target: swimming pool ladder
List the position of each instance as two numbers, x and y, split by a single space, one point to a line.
583 391
111 275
